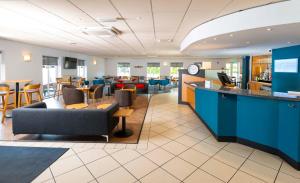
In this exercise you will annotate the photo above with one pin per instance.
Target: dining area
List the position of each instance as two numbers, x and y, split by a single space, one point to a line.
17 93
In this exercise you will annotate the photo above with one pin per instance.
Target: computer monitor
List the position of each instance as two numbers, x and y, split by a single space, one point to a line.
224 78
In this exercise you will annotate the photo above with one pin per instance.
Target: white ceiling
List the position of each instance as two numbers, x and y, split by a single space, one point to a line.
58 23
248 42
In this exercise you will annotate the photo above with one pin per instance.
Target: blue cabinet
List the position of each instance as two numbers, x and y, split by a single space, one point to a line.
288 128
257 118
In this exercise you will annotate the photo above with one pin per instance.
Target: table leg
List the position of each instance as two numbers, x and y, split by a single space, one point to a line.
124 132
9 114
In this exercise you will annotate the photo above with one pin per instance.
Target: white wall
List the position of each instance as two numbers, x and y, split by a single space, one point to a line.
111 64
16 68
97 68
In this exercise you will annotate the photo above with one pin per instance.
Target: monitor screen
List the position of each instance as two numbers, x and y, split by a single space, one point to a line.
70 63
286 65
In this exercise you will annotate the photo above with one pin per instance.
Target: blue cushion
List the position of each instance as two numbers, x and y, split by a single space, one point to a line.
98 81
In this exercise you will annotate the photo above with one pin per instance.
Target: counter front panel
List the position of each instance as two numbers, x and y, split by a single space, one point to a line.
263 120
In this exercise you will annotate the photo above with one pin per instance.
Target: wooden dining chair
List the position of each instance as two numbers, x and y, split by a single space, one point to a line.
28 92
5 92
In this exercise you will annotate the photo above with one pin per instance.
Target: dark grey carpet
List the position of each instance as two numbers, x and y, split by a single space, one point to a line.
24 164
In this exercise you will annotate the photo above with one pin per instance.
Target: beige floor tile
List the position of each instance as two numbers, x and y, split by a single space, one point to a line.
172 134
159 176
198 135
67 154
170 125
79 175
150 147
230 158
65 165
288 169
259 171
242 177
159 156
183 129
49 181
187 140
46 175
194 157
174 147
211 140
179 168
125 155
140 167
239 149
285 178
159 129
201 176
206 148
159 140
117 175
102 166
266 159
218 169
91 155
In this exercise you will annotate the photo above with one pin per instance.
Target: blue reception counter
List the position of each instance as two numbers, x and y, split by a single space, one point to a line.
263 120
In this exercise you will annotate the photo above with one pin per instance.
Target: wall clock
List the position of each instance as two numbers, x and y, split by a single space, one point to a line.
193 69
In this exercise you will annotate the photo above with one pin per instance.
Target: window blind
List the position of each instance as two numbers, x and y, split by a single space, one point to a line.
80 62
47 60
176 64
123 64
153 64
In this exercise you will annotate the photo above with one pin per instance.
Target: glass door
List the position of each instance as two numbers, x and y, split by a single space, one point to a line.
49 80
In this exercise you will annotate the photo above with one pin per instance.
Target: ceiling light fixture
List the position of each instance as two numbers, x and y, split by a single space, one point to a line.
215 38
231 35
158 40
269 29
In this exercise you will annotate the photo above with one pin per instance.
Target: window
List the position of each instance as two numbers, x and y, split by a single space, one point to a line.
233 69
81 69
2 68
174 69
50 72
123 69
153 70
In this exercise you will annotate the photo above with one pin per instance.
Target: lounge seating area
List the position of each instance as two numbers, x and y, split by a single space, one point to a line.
150 91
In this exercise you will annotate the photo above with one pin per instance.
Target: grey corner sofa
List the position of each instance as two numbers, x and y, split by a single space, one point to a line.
37 119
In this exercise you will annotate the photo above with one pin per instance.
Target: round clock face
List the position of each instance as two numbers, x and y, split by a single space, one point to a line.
193 69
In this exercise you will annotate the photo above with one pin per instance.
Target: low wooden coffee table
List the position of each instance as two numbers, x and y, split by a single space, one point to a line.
123 113
77 106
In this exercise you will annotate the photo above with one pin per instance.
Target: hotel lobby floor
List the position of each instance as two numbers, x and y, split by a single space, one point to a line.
174 147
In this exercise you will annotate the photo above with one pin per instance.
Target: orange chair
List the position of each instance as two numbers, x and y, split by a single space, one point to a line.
5 92
28 91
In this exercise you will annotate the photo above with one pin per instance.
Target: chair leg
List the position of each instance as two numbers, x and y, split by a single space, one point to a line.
20 100
5 101
15 98
27 98
39 96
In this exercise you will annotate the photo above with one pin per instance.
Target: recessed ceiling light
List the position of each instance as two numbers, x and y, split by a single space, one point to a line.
269 29
215 38
231 35
289 42
170 40
158 40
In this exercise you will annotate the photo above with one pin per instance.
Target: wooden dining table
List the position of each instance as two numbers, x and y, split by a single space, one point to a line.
86 91
17 89
17 86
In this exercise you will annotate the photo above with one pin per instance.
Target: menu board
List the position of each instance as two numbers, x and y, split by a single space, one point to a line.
286 65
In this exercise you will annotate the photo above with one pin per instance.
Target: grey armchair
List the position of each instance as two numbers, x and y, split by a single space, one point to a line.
96 92
124 98
72 96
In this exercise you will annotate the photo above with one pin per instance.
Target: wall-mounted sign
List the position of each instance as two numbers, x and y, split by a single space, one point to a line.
286 65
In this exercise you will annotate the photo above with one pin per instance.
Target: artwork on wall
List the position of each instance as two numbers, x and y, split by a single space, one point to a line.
138 66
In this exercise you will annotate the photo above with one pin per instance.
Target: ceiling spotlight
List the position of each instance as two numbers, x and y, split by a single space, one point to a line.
158 40
215 38
289 42
269 29
170 40
231 35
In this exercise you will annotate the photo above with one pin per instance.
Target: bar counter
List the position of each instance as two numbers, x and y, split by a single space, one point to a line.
269 121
